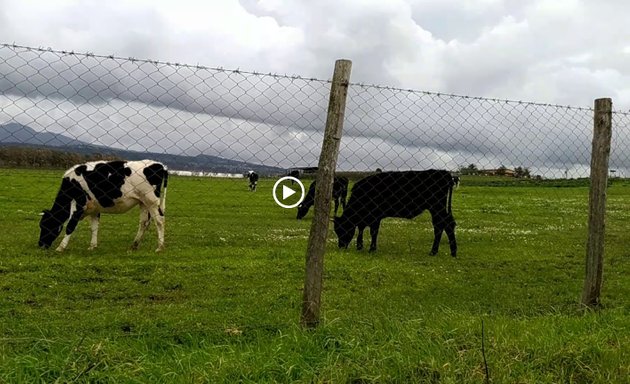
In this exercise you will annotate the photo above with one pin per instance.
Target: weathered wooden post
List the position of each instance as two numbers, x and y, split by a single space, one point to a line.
323 193
602 133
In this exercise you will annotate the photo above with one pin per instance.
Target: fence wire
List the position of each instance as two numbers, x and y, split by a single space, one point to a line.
274 122
228 122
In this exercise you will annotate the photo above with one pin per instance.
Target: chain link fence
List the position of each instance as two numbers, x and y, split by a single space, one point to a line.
59 108
231 121
620 144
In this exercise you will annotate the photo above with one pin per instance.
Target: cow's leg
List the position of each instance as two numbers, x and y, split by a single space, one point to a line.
439 222
158 217
336 205
76 212
450 232
360 237
94 222
374 232
144 222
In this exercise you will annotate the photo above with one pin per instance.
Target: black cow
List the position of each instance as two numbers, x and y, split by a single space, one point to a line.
253 180
106 187
339 193
398 194
294 173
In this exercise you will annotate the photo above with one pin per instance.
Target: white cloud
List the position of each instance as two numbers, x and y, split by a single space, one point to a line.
490 48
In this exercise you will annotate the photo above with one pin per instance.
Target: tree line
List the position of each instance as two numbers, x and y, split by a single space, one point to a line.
45 157
519 172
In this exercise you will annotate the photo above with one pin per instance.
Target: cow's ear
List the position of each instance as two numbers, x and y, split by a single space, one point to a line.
45 212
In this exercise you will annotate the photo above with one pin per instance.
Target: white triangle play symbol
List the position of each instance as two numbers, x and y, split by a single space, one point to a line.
287 192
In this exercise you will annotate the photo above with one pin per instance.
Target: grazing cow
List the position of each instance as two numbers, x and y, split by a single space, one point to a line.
106 187
294 173
398 194
253 180
339 193
456 181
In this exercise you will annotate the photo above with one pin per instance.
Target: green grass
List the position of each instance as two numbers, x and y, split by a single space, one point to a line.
222 303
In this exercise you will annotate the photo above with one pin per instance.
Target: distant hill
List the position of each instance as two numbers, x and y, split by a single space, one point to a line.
18 135
22 134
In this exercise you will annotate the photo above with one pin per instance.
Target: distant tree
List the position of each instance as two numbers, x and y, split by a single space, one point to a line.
471 169
521 172
501 171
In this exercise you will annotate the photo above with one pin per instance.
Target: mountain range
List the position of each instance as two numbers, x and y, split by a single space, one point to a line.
14 134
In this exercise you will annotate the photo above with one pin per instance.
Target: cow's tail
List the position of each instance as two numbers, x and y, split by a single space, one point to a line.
163 195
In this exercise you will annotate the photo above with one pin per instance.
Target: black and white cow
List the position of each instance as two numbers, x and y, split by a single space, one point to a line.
398 194
253 180
339 193
89 189
456 180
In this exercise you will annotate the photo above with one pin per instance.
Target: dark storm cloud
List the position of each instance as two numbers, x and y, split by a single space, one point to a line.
232 113
276 100
532 51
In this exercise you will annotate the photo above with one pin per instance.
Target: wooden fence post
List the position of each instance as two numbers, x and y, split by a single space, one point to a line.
602 133
313 280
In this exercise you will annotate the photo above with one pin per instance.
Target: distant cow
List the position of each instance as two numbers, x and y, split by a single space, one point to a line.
339 193
106 187
294 173
253 180
398 194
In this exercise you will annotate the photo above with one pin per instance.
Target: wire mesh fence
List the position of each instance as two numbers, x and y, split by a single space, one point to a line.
60 108
619 154
271 123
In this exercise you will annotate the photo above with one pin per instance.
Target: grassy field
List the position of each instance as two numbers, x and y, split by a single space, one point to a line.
222 303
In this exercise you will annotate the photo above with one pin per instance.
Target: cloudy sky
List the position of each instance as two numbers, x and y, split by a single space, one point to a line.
566 52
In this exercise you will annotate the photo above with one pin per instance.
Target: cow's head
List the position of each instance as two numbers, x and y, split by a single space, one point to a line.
303 209
50 228
301 212
344 230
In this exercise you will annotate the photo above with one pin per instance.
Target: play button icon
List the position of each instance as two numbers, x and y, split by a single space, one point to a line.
289 194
